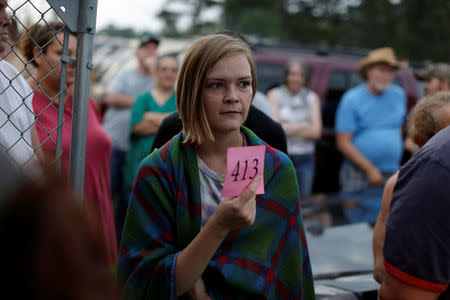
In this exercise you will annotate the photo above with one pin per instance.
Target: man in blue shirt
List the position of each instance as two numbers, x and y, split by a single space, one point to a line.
368 125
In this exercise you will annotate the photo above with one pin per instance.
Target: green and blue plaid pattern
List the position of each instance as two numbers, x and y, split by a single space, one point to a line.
268 260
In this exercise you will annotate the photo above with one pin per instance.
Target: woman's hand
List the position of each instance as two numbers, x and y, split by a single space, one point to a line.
231 214
238 212
198 292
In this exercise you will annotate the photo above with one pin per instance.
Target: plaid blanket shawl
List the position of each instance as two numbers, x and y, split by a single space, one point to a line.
268 260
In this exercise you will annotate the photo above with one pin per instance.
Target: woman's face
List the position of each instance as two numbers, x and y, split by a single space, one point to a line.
166 73
295 79
50 61
228 93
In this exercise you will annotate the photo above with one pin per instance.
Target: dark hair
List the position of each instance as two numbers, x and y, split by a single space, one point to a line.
52 247
39 36
148 39
289 65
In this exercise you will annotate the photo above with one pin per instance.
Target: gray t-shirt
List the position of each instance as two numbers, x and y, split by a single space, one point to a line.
117 120
211 185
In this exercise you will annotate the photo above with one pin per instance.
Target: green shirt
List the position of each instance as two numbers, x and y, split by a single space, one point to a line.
140 145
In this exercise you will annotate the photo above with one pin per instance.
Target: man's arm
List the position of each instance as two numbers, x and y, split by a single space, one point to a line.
120 100
345 146
393 289
380 229
117 95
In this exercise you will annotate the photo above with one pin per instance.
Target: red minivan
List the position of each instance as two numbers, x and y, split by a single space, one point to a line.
329 74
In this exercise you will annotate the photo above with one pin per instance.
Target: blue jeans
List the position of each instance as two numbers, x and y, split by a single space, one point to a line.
119 196
304 167
368 204
355 186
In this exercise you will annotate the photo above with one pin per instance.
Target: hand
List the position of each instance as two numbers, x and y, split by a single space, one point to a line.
375 177
198 292
238 212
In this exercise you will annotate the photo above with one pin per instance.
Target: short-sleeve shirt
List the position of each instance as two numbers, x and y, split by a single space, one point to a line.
117 119
295 108
375 122
417 244
140 145
97 189
16 119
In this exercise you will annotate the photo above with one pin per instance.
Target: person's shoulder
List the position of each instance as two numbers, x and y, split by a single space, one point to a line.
354 94
396 90
146 96
271 94
437 148
126 72
312 96
277 157
10 73
7 68
161 157
125 75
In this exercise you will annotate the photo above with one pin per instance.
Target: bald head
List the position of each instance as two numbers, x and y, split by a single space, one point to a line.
430 115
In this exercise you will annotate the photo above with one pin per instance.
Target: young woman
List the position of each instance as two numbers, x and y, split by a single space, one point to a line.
180 237
44 50
298 110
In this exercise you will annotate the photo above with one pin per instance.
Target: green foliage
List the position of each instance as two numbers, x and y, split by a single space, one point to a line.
414 28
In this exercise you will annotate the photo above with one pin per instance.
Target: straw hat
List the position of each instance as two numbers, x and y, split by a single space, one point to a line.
381 55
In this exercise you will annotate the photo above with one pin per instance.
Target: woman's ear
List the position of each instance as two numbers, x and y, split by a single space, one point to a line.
37 55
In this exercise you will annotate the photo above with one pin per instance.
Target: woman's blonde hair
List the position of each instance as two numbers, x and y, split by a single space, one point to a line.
197 63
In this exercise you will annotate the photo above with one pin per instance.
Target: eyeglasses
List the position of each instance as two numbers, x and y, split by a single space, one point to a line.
166 69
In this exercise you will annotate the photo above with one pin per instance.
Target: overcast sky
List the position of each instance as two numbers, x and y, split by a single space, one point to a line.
139 14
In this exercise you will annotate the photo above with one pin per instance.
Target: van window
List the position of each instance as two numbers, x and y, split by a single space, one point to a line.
271 75
339 82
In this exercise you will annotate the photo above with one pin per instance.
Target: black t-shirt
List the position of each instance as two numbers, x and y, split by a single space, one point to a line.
417 244
262 125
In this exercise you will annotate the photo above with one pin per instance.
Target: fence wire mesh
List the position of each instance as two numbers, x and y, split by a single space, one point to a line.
37 75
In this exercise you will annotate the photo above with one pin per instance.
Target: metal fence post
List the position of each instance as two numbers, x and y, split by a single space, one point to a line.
81 19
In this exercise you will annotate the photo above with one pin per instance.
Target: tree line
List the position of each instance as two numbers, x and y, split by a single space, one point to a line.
416 29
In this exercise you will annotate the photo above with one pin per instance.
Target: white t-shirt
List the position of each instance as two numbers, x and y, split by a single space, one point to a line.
16 119
293 109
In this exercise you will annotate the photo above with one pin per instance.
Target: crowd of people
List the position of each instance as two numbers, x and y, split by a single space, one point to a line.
153 223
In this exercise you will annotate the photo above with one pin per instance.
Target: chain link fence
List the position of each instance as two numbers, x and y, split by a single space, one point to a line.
45 60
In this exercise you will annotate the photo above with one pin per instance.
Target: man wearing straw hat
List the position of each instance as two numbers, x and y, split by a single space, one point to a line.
368 125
